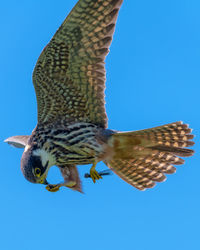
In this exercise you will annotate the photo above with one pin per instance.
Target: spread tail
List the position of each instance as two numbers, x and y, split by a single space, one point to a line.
143 157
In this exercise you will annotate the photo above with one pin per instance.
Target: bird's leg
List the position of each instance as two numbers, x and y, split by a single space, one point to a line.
56 187
71 179
94 174
69 184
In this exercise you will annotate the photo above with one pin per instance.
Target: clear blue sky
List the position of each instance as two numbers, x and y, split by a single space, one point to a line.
153 78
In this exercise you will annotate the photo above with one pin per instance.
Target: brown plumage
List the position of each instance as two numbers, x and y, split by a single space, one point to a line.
69 80
143 157
70 174
69 77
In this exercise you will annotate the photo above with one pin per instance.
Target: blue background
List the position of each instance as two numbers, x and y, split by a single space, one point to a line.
153 78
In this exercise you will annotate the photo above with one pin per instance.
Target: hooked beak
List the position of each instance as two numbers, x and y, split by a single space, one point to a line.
45 182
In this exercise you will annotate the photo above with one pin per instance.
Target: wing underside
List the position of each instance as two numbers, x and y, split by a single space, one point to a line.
69 77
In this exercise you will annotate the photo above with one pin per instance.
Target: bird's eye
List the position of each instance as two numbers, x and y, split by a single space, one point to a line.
37 172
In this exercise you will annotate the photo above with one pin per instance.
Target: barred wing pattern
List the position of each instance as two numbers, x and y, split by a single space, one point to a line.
69 77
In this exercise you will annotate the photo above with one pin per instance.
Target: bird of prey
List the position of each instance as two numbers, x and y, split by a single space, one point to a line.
69 81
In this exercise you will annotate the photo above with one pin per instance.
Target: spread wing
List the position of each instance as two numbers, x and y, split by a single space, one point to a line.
69 77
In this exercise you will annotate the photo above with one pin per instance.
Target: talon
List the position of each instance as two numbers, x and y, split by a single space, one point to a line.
52 188
94 174
104 172
70 184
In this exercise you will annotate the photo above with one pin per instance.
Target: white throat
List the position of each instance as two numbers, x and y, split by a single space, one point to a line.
45 157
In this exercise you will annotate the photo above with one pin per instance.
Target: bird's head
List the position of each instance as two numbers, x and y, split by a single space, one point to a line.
35 164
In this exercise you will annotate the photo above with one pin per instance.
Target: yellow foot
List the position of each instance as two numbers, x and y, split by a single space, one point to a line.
70 184
53 187
94 174
56 187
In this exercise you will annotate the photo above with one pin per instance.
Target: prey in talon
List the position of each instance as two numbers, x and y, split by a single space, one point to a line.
52 187
69 184
101 173
69 81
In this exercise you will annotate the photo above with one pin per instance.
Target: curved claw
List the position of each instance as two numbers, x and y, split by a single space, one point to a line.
101 173
53 187
56 187
94 175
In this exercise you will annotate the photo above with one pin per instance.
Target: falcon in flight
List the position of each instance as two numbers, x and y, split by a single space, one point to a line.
69 81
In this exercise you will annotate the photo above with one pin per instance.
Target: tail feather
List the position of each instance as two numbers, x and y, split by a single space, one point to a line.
143 157
184 152
128 172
